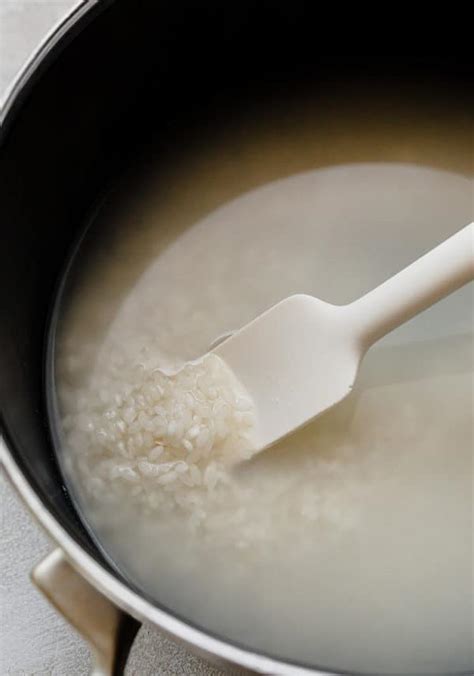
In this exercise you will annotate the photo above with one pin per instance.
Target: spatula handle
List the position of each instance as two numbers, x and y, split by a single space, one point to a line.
433 276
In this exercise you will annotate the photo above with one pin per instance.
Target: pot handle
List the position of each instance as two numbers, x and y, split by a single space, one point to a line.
107 629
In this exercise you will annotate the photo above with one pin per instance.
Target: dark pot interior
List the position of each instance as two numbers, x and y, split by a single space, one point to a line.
130 78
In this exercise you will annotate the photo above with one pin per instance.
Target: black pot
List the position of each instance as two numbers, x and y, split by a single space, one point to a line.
114 78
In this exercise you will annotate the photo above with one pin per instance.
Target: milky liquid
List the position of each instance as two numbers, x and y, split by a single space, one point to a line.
348 545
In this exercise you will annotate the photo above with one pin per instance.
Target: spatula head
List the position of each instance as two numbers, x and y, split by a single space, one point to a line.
295 360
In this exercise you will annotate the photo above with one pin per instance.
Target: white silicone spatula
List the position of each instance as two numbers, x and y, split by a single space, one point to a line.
301 356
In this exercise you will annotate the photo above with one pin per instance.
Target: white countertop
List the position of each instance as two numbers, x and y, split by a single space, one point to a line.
34 640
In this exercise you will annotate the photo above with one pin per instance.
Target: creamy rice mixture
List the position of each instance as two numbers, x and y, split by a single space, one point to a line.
156 440
348 545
